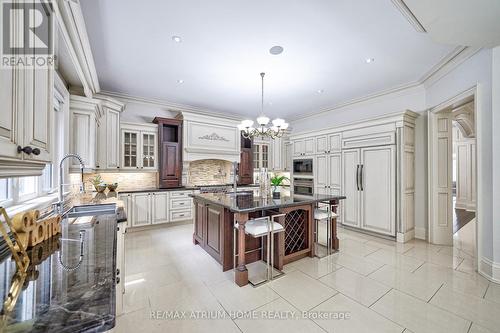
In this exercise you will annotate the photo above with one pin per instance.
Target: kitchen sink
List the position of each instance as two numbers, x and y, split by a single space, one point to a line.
91 210
241 193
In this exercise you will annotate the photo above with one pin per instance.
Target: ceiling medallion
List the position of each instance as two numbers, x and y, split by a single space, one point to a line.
264 129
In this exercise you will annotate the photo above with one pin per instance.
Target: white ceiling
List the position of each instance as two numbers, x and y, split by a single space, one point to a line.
464 22
225 46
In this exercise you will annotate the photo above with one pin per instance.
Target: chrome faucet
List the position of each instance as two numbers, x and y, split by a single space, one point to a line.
59 205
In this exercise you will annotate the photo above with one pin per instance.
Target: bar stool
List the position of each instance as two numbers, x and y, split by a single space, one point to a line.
259 228
324 216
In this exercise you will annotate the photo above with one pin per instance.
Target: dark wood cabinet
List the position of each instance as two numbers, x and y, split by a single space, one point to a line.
170 150
208 228
246 162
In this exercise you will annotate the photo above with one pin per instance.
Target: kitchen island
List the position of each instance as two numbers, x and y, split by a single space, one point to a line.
216 214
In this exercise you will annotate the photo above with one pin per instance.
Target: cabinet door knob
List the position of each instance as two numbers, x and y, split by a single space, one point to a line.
27 150
36 151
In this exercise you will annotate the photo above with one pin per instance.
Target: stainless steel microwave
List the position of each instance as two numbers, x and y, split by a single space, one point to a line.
303 167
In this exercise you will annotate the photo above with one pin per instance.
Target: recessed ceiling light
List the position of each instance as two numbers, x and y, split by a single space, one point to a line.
320 91
180 81
275 50
177 39
369 60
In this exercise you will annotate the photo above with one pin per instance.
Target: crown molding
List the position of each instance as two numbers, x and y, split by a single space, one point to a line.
452 60
448 63
170 106
72 19
357 100
408 14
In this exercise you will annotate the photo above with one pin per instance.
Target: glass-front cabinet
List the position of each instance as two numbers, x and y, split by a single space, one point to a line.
260 155
139 149
148 150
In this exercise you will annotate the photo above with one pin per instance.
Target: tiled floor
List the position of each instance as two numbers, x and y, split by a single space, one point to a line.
370 285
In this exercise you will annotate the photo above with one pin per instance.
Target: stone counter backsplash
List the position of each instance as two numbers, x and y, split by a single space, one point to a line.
209 172
127 181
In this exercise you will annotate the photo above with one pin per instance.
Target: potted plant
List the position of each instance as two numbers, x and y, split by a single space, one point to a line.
275 182
99 185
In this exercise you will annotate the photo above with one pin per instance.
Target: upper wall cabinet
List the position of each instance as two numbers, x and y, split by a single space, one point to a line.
139 149
108 135
85 114
302 147
330 143
26 123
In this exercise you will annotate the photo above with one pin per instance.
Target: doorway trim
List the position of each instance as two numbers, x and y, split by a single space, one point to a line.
475 93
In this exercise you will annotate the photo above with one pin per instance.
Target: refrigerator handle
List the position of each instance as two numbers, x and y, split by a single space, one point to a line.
357 177
361 177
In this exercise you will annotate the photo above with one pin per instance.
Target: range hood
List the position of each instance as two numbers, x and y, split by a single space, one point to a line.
209 137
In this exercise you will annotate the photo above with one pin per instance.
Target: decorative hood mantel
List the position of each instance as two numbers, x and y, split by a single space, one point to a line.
210 137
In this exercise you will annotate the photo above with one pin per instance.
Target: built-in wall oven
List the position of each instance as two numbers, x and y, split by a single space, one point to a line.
303 167
303 186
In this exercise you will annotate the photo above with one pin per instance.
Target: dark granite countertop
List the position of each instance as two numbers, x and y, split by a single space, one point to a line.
250 202
59 293
184 188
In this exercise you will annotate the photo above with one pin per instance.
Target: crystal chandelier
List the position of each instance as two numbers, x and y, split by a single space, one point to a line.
263 129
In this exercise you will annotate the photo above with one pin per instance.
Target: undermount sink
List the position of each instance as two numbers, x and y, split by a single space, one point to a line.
91 210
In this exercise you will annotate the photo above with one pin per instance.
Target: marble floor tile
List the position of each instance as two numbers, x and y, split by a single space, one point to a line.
360 319
395 259
302 291
438 258
418 316
493 292
361 265
316 267
234 298
478 310
416 285
357 279
461 282
277 316
356 248
358 287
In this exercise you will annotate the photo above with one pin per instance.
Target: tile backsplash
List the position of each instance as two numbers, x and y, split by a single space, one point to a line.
209 172
126 180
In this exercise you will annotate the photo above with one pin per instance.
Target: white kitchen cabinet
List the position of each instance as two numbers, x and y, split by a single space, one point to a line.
302 147
84 116
139 146
261 155
160 207
150 208
141 209
369 176
127 206
26 98
108 141
38 112
120 267
276 154
287 156
328 143
327 171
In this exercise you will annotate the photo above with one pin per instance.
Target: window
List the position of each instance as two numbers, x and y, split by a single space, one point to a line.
27 188
4 190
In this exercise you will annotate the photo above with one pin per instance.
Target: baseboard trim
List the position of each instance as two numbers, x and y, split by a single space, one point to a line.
490 269
406 236
421 233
